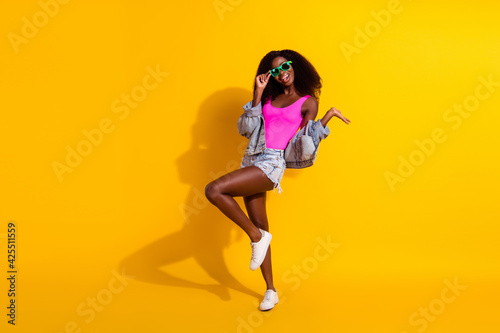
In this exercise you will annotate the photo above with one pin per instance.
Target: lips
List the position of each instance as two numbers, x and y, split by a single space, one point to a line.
285 78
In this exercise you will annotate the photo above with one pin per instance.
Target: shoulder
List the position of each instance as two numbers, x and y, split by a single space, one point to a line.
310 105
311 101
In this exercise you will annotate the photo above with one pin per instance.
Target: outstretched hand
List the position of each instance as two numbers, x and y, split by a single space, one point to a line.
333 112
336 113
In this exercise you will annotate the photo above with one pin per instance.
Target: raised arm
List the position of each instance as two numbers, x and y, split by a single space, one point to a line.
261 83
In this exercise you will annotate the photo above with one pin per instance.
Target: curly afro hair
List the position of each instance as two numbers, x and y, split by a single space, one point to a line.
307 80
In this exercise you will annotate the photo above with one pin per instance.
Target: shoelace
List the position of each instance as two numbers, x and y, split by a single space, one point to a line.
268 295
254 253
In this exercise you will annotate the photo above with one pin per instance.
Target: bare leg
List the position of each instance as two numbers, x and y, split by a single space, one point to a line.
256 208
241 182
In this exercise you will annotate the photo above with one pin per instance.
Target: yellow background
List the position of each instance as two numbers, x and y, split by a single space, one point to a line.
135 206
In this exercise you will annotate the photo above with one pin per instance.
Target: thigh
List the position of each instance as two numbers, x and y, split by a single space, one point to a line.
244 182
256 209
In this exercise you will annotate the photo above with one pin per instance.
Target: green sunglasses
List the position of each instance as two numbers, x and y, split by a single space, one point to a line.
283 67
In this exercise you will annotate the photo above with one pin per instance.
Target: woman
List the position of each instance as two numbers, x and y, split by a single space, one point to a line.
291 100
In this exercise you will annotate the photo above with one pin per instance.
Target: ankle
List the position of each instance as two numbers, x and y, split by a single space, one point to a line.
257 237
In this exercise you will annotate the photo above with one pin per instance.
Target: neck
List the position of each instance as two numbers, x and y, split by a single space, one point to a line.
289 91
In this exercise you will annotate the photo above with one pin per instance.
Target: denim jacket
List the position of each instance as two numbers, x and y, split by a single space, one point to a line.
251 125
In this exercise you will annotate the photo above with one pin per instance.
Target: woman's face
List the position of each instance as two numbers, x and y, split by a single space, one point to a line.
285 78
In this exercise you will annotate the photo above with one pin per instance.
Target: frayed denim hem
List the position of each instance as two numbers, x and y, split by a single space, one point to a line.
276 184
279 188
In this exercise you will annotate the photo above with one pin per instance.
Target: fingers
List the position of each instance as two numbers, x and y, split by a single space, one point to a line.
262 79
336 112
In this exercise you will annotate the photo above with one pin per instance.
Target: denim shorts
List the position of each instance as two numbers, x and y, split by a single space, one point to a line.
271 161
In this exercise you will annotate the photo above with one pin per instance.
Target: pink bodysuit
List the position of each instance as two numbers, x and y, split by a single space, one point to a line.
281 124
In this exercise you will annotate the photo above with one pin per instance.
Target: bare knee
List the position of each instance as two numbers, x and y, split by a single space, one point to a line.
212 191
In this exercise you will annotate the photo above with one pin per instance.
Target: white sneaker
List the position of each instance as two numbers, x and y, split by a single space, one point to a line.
270 299
259 249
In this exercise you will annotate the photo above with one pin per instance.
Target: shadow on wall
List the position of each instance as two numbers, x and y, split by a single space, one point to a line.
216 148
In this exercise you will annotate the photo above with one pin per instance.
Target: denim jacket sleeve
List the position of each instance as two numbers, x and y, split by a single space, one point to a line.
293 152
251 125
249 121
